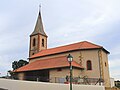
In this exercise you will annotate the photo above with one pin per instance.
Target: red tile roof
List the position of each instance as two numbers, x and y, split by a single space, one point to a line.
57 62
66 48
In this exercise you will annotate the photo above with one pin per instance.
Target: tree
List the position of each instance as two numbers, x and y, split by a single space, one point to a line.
117 84
15 65
18 64
11 73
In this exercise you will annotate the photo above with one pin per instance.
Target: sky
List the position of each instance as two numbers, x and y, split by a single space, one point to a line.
65 22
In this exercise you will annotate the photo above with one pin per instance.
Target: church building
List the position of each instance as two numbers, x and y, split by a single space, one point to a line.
90 61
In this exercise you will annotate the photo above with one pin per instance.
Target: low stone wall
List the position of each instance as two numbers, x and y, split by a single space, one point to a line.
29 85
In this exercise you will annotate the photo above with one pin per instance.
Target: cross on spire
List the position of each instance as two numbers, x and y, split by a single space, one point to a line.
39 8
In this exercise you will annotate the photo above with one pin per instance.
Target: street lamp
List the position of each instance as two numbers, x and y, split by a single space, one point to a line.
70 59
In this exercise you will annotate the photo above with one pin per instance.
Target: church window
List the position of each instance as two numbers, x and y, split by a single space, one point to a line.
34 42
89 65
42 42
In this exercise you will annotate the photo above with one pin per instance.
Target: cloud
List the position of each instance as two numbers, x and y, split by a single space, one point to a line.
115 73
4 65
88 26
114 62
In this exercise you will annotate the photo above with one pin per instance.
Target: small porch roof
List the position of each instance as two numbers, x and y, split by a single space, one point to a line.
51 63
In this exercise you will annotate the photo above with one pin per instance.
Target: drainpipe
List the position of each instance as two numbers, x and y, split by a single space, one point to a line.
99 67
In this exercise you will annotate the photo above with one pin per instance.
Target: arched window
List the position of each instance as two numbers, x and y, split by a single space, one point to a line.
89 65
34 42
42 42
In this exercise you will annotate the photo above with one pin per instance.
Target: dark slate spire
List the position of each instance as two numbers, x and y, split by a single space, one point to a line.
39 27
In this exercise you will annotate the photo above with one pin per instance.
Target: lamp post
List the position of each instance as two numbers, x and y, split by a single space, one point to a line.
70 59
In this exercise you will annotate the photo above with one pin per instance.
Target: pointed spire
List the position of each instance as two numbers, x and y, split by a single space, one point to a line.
39 25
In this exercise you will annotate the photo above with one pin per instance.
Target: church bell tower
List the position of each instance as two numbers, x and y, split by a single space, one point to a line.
38 38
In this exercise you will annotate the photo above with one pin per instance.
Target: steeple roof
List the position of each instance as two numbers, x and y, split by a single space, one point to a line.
39 26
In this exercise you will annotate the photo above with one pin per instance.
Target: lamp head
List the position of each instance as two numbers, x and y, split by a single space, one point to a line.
70 58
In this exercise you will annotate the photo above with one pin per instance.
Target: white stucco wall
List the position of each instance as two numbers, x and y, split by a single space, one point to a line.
26 85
